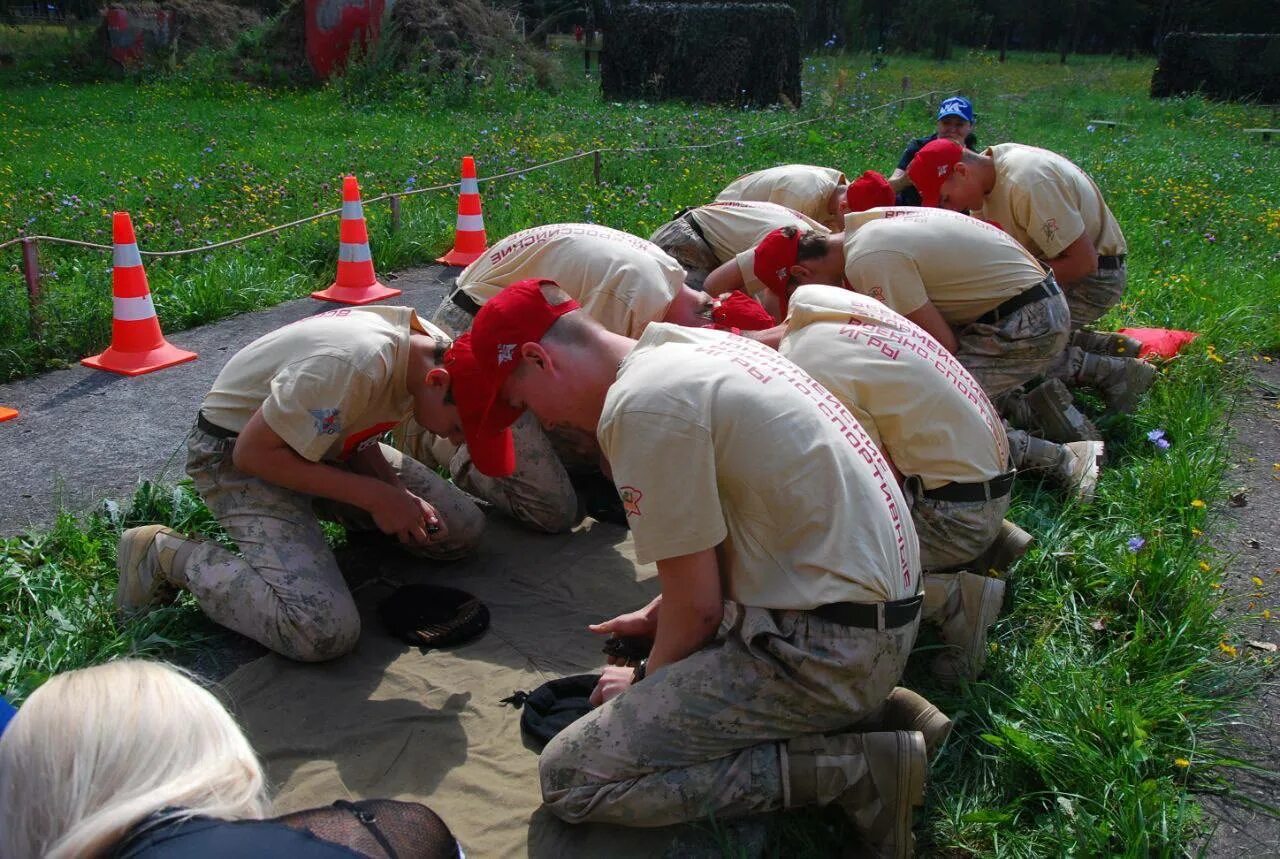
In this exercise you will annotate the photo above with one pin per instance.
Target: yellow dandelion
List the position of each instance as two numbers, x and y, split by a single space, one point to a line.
1198 504
1181 763
1204 567
1196 532
1228 649
1266 614
1257 581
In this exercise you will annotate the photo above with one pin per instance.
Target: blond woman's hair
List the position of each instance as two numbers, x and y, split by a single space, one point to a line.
95 751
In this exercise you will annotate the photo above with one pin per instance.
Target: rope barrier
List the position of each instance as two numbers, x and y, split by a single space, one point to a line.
590 153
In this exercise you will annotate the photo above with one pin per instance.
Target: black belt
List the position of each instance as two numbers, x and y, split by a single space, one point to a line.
996 487
210 428
1110 263
872 615
464 302
1043 289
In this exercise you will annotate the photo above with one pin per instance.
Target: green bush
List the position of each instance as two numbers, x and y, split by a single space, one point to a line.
724 53
1223 66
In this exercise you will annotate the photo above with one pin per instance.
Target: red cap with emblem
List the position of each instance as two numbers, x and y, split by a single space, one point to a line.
869 191
774 257
931 167
490 353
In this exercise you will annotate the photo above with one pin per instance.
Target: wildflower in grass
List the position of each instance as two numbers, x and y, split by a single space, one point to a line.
1135 544
1204 566
1197 503
1257 581
1181 763
1157 437
1197 533
1229 649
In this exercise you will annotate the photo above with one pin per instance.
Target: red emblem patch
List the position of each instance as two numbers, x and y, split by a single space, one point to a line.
630 499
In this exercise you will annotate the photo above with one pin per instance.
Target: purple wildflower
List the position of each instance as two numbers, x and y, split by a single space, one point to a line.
1135 544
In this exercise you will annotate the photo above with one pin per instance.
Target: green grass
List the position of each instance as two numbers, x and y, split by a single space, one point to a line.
1112 674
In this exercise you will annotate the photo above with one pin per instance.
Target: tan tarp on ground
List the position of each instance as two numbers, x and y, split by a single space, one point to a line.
390 721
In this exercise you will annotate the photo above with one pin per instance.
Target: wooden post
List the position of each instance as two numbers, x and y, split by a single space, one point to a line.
906 85
595 165
31 269
395 213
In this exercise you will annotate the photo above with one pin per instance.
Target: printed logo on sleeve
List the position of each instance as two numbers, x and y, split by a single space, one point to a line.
1050 229
327 421
630 499
877 292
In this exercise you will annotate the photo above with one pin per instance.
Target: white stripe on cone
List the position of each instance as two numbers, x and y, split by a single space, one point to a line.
126 256
348 252
470 186
471 223
133 309
351 210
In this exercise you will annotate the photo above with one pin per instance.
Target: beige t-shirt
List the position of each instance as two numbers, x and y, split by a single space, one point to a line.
716 438
909 393
802 187
733 229
327 384
622 281
1046 202
907 256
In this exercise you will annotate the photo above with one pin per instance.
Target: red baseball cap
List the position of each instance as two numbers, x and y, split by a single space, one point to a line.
774 257
491 447
931 167
490 352
869 191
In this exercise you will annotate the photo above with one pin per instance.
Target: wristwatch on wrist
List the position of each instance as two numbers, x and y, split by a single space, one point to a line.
639 673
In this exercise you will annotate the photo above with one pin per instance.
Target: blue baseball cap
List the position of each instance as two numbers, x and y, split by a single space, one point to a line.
956 106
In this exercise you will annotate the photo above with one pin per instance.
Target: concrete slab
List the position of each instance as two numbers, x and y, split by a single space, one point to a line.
84 435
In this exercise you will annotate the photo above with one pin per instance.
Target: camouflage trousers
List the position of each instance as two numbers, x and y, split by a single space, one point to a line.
679 239
452 318
1088 300
1018 347
953 533
284 589
706 735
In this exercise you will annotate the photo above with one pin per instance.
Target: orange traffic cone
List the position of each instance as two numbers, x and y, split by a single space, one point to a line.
356 283
470 242
137 344
7 414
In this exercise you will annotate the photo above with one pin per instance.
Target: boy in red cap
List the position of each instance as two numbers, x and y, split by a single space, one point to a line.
622 281
289 435
1057 213
943 435
870 190
966 283
819 193
702 239
779 623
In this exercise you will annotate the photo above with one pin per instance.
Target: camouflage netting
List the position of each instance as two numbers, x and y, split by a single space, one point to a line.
727 53
817 20
1225 66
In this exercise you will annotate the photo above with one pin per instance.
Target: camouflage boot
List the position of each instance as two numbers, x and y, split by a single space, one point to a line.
150 560
1120 381
877 779
905 710
963 606
1010 544
1106 343
1049 411
1073 466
